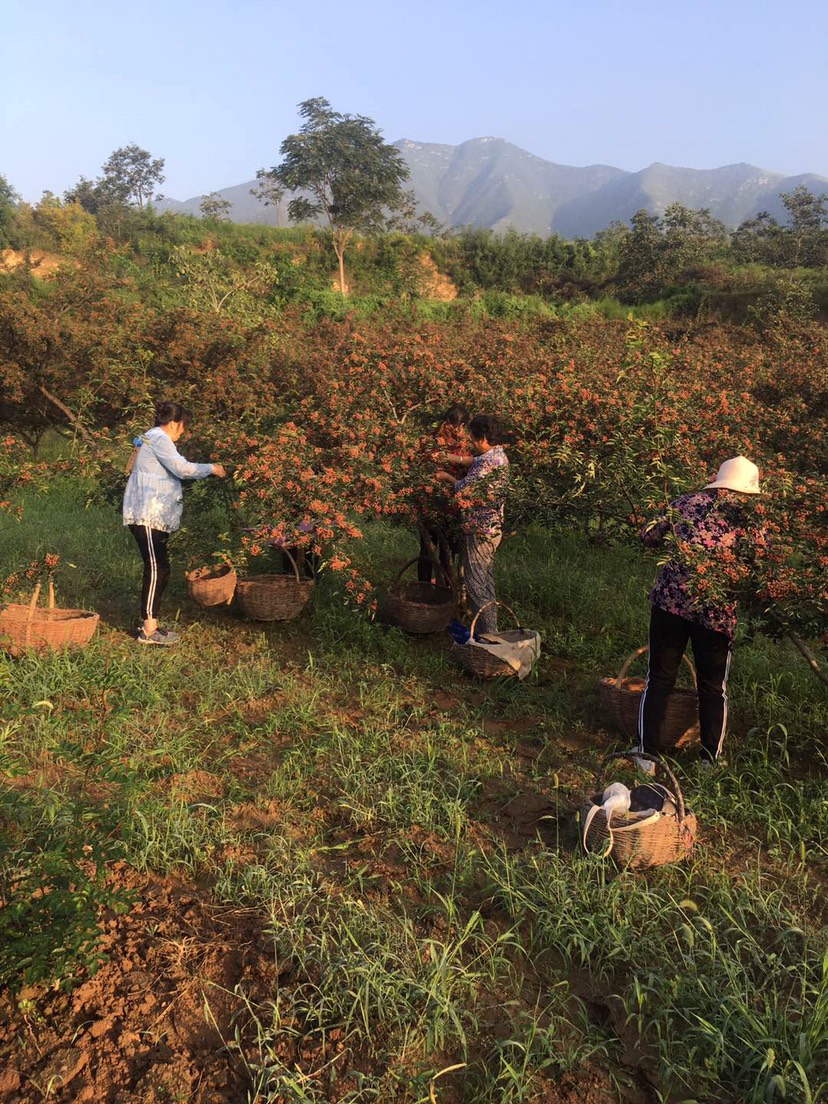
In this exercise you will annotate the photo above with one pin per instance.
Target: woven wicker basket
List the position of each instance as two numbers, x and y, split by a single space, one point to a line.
274 597
419 607
26 628
622 697
482 663
651 841
212 586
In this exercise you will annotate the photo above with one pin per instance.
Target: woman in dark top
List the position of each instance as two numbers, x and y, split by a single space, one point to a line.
440 533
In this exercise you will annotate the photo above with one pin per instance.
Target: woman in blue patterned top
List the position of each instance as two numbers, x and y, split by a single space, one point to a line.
153 504
480 494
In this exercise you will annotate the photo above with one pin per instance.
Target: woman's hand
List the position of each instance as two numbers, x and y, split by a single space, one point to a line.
218 470
454 458
444 477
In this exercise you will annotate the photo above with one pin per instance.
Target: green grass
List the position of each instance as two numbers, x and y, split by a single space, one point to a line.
356 789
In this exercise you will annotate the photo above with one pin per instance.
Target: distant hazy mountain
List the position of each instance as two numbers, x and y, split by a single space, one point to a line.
489 182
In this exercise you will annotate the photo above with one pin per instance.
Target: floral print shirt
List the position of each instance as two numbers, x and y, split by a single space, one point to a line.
711 547
481 491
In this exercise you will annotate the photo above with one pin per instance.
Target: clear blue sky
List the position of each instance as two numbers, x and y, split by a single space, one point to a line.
212 86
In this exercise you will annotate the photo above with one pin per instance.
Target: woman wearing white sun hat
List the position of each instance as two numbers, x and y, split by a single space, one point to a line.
712 539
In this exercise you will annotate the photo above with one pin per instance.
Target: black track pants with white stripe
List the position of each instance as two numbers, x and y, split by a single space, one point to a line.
669 636
154 553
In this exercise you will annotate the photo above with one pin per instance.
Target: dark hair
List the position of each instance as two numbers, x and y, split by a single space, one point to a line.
488 426
456 415
166 412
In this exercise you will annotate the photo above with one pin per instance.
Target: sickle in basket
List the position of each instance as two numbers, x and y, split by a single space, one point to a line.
685 822
660 764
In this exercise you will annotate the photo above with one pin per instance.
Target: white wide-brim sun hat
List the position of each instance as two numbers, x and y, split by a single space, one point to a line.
738 474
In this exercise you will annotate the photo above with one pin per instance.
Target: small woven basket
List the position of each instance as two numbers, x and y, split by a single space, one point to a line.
639 843
274 597
419 607
26 628
212 586
482 663
622 697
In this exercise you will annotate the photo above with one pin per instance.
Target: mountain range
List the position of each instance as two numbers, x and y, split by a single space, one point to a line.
488 182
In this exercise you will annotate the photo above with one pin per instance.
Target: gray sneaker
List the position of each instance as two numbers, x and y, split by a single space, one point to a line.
646 766
161 636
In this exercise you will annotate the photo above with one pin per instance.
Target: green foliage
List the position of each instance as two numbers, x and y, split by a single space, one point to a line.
215 206
8 209
130 175
128 180
783 300
517 263
802 242
680 266
269 192
216 282
66 227
54 856
659 251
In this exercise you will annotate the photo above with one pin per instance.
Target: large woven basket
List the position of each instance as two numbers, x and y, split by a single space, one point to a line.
651 841
419 607
274 597
622 697
26 628
482 663
212 586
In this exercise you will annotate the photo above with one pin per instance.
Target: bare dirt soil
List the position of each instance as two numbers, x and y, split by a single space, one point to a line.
152 1024
42 264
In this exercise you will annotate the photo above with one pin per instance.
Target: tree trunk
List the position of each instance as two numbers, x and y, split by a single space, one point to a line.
73 418
808 656
436 559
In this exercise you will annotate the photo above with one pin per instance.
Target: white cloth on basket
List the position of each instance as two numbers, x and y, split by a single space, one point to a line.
517 647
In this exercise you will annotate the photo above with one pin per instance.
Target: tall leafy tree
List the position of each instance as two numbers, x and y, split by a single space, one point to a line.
8 210
658 252
760 240
215 206
269 192
808 227
801 243
349 176
132 175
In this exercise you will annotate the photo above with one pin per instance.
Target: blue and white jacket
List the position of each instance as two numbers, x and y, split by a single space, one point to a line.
153 494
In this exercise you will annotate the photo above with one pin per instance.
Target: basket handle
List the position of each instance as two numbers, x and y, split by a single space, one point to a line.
30 615
289 555
628 662
33 605
494 602
635 754
416 559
